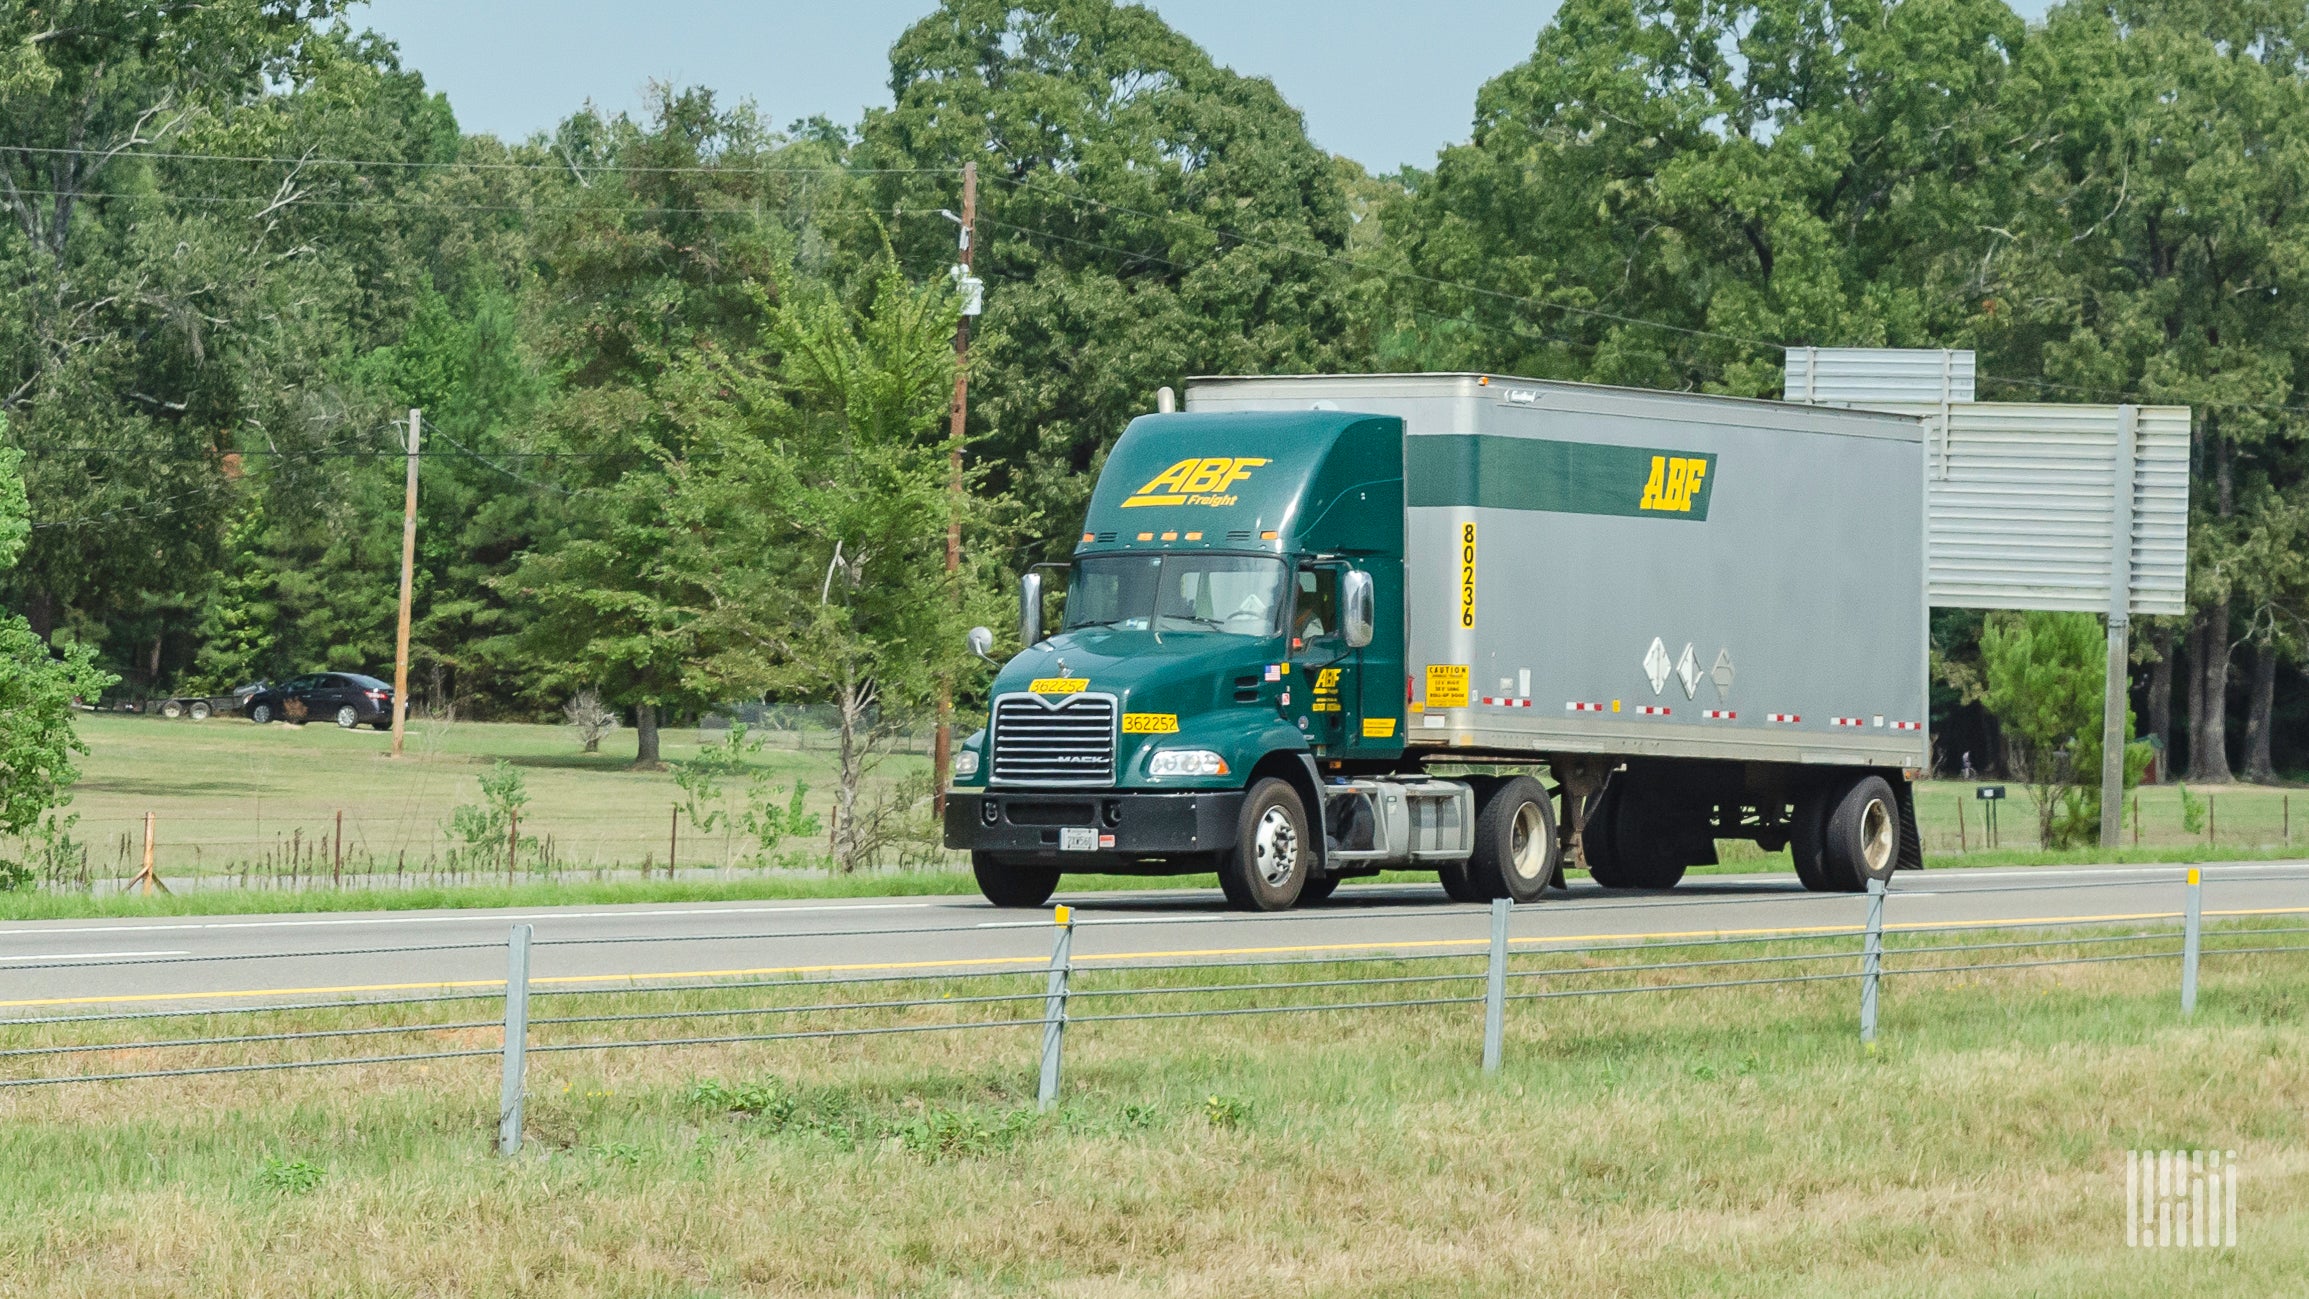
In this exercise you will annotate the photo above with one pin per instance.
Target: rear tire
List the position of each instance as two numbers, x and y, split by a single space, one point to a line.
1007 885
1318 889
172 710
1515 845
1647 853
1860 836
1805 835
1273 856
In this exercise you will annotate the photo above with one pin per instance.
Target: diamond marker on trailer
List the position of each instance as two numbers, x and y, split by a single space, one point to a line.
1688 671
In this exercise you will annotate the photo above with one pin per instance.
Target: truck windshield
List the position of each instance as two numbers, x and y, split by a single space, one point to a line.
1239 595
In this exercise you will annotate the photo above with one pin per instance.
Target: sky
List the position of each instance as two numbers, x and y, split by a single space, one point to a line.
1385 82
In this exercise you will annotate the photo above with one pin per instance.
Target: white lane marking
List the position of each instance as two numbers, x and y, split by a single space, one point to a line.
84 956
441 917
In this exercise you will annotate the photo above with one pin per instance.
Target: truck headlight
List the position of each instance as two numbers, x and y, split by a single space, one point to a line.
1186 762
965 762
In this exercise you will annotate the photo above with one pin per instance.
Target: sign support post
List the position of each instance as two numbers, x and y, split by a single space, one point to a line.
2114 703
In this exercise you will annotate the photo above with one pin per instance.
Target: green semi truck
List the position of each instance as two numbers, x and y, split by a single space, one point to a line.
1316 627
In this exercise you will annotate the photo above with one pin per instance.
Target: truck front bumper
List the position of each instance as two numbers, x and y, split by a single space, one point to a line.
1127 829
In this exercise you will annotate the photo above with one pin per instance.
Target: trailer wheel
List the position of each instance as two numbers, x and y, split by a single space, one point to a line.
1009 885
1272 856
172 710
1515 845
1646 851
1860 835
1806 835
199 710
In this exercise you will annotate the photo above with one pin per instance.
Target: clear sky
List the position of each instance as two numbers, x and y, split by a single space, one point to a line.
1385 82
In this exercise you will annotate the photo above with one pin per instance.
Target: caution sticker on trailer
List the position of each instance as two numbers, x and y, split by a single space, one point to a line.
1447 685
1378 728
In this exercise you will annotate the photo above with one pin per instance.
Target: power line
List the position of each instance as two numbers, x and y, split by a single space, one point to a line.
595 169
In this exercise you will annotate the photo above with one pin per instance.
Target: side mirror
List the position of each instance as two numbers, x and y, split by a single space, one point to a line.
981 642
1030 609
1355 592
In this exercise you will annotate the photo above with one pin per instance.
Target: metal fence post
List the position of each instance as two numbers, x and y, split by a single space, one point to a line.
1495 986
2192 932
516 1041
1871 963
1054 1007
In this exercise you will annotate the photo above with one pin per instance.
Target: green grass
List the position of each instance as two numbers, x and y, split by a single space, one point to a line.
1730 1141
259 806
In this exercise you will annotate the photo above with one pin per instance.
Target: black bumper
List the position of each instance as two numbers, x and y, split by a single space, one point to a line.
1132 828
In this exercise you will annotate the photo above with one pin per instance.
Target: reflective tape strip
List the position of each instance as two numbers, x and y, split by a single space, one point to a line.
1578 707
1908 726
1848 721
1719 714
1783 717
1652 710
1506 703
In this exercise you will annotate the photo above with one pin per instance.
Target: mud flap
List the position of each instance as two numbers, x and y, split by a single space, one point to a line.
1911 839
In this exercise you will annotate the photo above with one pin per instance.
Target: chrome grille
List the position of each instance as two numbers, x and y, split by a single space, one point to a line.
1063 741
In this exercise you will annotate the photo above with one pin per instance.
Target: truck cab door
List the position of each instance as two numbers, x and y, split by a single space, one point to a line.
1323 666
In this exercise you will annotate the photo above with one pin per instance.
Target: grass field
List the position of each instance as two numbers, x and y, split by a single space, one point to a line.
1728 1141
262 804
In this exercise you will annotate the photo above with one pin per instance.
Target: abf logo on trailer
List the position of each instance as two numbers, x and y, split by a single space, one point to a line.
1674 482
1198 480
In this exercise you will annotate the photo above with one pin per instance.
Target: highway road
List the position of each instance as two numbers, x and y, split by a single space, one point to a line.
76 966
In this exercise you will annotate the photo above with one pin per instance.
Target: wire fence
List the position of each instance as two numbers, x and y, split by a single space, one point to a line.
1050 997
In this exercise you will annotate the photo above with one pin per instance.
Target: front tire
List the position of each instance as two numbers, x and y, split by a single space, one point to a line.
1006 884
1860 836
261 714
1515 845
1273 856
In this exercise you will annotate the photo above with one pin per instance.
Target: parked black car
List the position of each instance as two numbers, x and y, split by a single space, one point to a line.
346 698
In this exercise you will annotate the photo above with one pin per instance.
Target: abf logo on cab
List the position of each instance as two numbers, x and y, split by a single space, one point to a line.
1201 480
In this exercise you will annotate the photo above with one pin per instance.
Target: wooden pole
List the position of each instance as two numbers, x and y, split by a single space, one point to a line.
1960 823
145 877
408 581
337 854
672 839
512 844
942 749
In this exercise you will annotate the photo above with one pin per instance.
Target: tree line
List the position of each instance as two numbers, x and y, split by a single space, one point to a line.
684 374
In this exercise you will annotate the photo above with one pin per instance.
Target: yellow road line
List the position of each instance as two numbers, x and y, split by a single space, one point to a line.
1031 962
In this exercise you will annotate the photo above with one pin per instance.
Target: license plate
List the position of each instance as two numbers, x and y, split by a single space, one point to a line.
1077 839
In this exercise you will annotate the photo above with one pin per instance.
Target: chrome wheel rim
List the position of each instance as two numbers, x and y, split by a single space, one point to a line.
1527 843
347 718
1876 836
1275 847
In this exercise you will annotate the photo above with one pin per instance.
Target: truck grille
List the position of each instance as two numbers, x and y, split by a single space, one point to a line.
1068 741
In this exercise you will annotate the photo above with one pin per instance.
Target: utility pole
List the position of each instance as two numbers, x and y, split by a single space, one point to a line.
942 758
408 578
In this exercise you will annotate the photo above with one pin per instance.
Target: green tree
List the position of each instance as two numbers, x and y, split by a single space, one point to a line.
2043 676
37 687
1144 215
814 523
1667 191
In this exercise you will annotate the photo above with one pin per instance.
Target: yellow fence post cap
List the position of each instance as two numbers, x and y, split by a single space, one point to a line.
1062 916
2194 878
